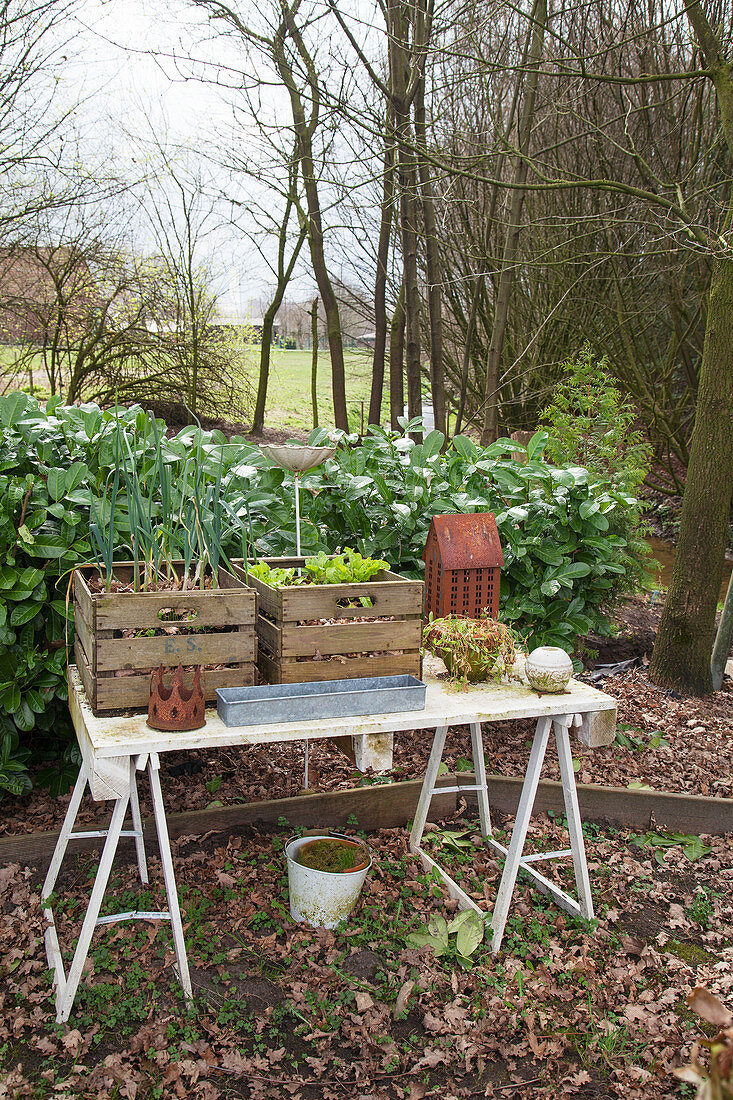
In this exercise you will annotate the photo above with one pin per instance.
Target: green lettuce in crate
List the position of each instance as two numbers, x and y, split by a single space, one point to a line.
348 567
277 578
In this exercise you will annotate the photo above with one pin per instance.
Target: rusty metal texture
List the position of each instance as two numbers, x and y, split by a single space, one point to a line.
176 707
467 540
463 557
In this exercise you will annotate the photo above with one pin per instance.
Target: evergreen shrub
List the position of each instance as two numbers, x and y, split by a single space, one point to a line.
569 534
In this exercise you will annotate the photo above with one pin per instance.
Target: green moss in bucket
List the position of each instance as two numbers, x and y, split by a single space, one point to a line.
335 856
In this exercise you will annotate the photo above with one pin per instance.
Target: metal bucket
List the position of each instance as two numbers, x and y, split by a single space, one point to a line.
321 898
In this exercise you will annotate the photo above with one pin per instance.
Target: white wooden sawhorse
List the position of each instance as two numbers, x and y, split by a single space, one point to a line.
67 984
514 858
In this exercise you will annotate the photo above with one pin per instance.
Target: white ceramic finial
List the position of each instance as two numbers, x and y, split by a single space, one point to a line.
548 668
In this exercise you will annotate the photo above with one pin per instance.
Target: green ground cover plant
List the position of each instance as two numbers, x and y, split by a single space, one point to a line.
571 539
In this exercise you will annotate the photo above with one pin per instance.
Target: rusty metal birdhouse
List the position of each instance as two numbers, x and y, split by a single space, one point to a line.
463 558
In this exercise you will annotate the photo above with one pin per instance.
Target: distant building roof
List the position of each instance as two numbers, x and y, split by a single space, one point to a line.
229 315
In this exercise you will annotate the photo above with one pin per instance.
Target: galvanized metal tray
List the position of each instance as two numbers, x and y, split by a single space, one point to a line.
270 703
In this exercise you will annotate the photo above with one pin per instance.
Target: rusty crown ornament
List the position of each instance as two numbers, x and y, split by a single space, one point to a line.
176 707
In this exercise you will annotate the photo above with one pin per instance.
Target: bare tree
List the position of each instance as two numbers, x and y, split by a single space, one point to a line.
180 209
537 20
631 165
433 263
381 276
305 124
282 42
314 361
397 362
287 258
683 648
35 174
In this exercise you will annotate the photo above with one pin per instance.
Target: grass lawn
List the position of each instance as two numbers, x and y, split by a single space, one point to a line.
11 376
289 392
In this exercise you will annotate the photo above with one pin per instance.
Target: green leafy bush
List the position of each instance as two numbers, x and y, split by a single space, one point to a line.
570 538
590 423
569 535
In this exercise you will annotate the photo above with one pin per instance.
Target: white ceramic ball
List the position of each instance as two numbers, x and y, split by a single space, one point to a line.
548 668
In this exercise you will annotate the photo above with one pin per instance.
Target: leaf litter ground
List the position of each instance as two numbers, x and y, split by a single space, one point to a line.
566 1009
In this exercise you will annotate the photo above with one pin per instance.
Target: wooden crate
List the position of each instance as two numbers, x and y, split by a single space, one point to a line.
101 652
292 652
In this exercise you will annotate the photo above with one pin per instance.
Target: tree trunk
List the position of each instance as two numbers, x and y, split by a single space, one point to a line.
490 430
407 177
681 657
330 304
284 273
314 361
194 364
268 323
433 264
723 639
397 362
470 328
380 284
413 365
304 130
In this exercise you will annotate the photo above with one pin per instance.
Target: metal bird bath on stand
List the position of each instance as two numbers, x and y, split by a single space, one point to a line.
298 459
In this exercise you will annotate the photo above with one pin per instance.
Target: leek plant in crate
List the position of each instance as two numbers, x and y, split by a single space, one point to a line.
175 601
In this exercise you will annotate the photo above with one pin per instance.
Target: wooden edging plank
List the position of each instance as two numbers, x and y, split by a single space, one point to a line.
639 809
381 806
392 805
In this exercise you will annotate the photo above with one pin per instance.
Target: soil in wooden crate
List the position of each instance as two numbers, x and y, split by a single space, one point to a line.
187 670
174 620
342 658
334 621
163 584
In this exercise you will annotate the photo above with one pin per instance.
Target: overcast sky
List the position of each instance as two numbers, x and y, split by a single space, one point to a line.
123 62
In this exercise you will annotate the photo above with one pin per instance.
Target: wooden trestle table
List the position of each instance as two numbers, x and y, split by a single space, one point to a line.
114 749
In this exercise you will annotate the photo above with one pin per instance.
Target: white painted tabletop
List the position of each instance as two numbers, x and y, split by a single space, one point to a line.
444 705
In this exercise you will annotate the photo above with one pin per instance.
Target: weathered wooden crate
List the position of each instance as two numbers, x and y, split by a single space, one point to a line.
291 650
115 670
